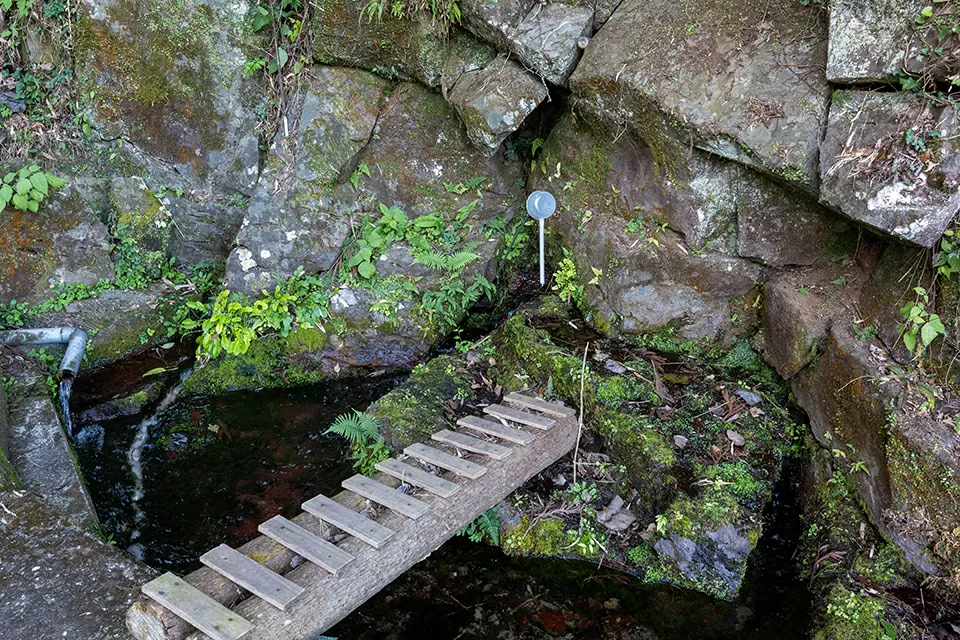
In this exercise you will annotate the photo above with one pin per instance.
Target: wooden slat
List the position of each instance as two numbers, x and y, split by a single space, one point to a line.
537 404
497 429
471 444
313 548
521 417
349 520
194 606
252 576
390 498
446 461
418 478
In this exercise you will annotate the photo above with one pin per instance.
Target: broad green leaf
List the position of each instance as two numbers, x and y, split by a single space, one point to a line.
9 178
367 269
23 186
6 192
20 201
33 205
32 169
929 333
910 339
55 182
35 195
39 182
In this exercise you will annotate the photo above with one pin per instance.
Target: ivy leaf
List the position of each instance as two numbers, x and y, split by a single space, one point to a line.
20 201
280 62
931 330
367 269
55 182
910 339
39 182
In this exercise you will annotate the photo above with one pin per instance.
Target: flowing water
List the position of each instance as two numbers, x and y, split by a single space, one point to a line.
64 392
135 461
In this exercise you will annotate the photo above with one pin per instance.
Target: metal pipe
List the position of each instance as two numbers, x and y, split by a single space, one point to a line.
75 339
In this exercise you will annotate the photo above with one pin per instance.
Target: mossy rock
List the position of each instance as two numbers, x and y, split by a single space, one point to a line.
271 362
418 408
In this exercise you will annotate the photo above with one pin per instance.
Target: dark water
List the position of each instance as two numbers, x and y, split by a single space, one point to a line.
467 590
232 462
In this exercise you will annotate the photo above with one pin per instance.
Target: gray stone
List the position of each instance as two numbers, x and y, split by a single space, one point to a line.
737 439
169 79
119 322
42 457
751 398
493 102
65 242
871 39
871 175
58 580
614 367
543 36
680 441
728 83
303 220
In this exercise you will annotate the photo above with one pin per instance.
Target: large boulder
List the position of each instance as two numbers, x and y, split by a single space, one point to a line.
494 101
886 162
299 215
169 79
737 81
678 249
65 242
496 94
873 41
543 36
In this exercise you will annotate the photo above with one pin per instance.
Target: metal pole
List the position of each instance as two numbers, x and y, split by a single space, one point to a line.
542 278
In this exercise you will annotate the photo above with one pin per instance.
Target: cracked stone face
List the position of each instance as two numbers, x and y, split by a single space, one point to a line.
871 174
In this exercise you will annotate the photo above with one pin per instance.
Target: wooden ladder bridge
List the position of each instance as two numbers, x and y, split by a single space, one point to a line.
253 593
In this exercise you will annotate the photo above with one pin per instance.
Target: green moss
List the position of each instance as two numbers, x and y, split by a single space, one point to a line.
885 567
416 409
9 481
852 616
547 537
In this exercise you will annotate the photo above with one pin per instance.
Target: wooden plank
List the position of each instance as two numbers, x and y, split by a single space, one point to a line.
471 444
349 520
329 598
537 404
390 498
446 461
418 478
521 417
498 429
194 606
313 548
252 576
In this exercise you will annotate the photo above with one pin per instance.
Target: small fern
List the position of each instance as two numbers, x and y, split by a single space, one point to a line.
487 525
357 427
461 259
432 260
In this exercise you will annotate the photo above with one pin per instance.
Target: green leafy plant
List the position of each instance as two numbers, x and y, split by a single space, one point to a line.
947 259
453 299
443 12
487 525
367 448
566 280
230 323
25 189
920 323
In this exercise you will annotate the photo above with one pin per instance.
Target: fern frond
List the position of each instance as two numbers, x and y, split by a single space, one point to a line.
357 427
458 261
432 260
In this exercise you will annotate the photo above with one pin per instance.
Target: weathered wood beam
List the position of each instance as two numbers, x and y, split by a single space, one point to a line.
327 598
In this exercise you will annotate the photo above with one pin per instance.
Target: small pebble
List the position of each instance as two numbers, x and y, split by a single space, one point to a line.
749 397
736 438
680 441
614 367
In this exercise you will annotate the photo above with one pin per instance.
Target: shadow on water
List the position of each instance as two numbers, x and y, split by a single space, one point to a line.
214 468
466 590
